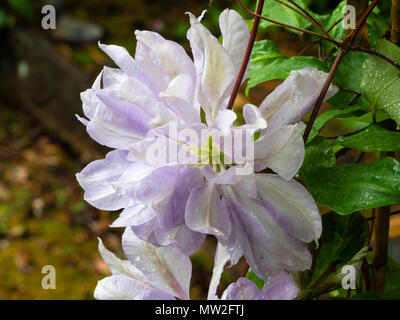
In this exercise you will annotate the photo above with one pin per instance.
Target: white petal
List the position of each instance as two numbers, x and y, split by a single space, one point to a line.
292 99
124 60
282 150
111 183
119 266
167 268
214 66
171 55
253 116
221 258
235 33
224 119
119 287
136 215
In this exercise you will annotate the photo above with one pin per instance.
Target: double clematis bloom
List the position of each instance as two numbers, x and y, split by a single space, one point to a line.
178 200
163 273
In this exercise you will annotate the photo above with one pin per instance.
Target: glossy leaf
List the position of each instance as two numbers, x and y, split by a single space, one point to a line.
348 76
318 154
328 20
278 12
349 188
381 81
321 120
267 63
372 139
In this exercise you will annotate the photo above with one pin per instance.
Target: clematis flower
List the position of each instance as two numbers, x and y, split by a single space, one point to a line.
163 273
268 218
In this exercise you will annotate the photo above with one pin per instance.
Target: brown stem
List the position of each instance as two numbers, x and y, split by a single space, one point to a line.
322 94
355 47
391 214
287 25
379 256
395 22
306 16
381 236
359 5
361 22
308 46
246 57
366 275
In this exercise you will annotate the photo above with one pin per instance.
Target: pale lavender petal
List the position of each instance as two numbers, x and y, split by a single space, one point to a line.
235 33
169 199
282 150
280 287
127 87
206 213
170 55
292 99
267 247
109 124
125 61
167 268
110 184
236 177
152 66
292 206
135 215
184 238
253 117
242 289
182 109
215 67
120 287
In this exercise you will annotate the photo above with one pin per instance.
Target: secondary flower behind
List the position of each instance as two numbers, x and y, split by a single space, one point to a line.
213 189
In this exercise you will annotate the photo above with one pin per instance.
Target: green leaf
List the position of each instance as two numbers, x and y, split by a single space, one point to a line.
342 238
251 276
264 69
265 50
377 23
278 12
318 154
350 187
380 80
321 120
24 7
348 76
373 138
337 32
